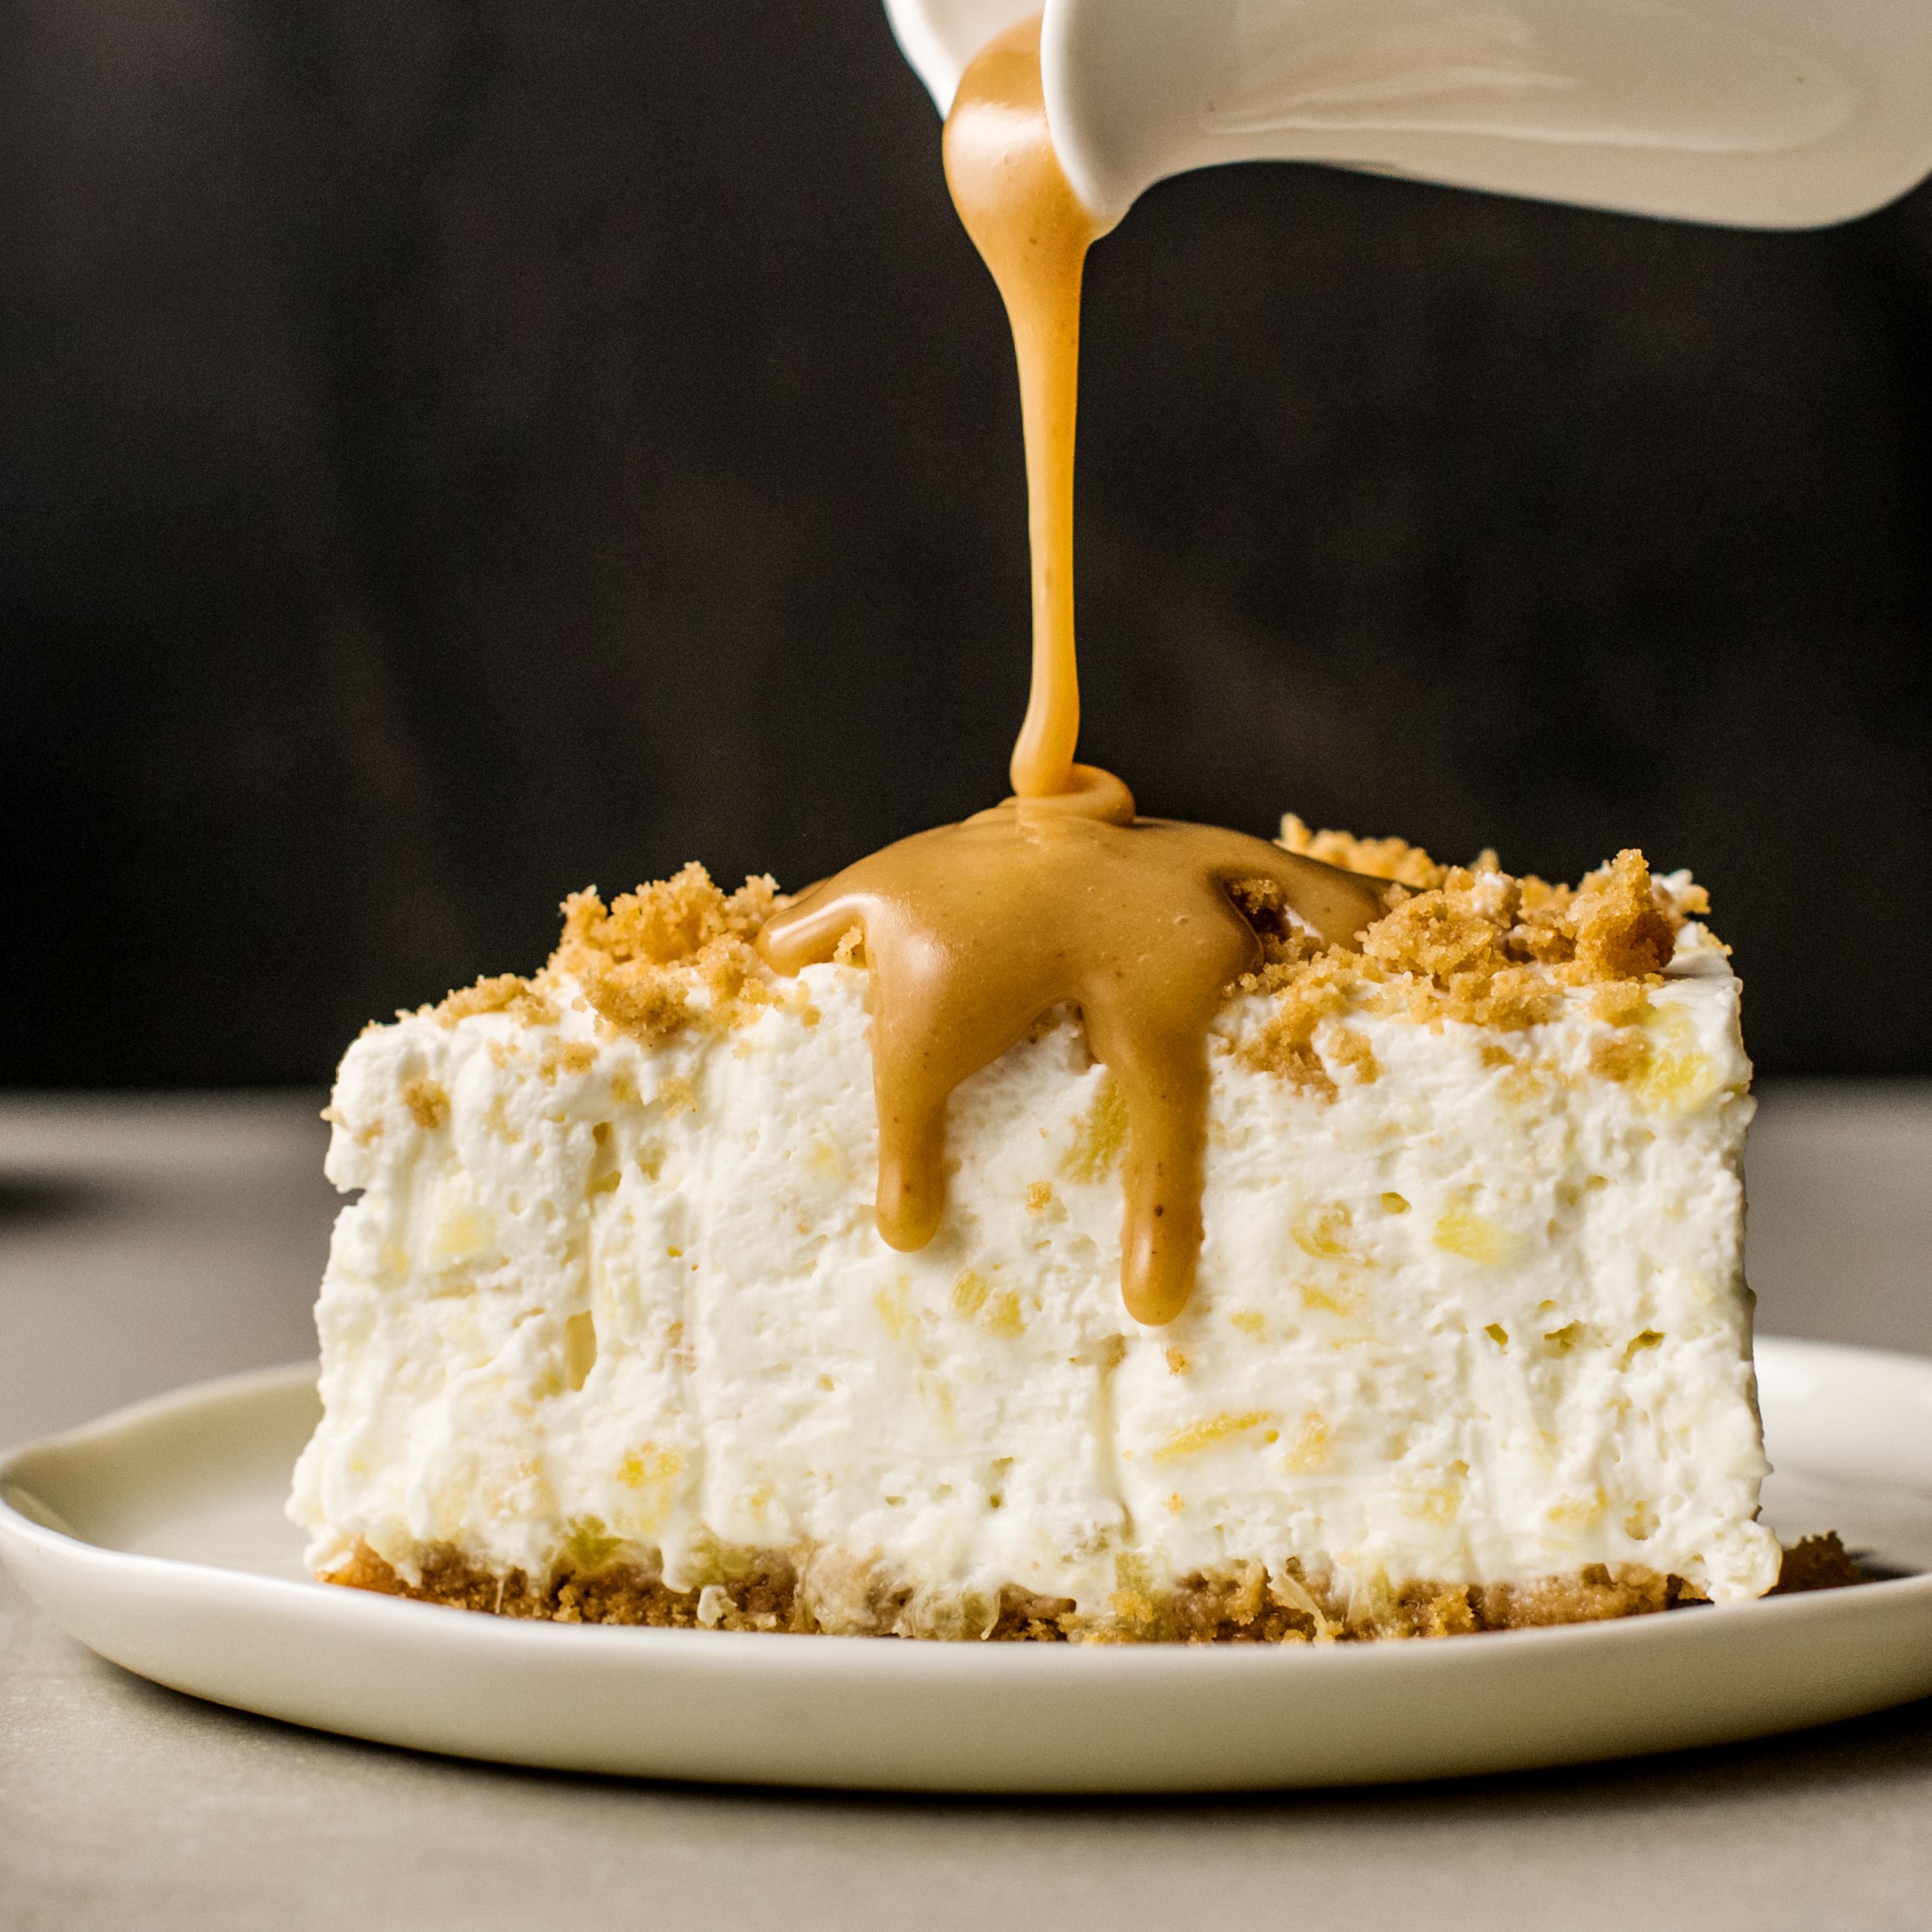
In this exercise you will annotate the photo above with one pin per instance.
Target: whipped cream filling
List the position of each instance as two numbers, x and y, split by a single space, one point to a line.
1478 1317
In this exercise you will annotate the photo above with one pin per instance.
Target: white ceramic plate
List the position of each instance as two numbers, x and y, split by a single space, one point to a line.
156 1536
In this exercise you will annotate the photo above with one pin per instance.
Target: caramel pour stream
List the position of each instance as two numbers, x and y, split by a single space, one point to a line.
1062 894
1033 232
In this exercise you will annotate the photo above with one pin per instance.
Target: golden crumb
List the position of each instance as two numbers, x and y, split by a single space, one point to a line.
1351 1049
569 1056
427 1102
1316 991
1622 932
1379 858
636 959
525 1003
1620 1003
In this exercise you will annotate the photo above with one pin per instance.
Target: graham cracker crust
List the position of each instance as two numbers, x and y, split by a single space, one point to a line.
1816 1563
1243 1605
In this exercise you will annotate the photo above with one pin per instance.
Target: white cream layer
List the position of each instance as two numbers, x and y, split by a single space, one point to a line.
1480 1319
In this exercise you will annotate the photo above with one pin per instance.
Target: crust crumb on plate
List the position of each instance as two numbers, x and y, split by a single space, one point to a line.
1816 1563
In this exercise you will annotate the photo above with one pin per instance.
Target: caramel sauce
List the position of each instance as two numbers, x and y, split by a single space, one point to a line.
1062 895
1025 220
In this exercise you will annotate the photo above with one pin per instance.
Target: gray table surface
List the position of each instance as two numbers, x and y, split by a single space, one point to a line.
148 1243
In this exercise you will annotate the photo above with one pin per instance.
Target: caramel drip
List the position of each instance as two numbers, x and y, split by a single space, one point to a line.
972 932
1033 232
1062 895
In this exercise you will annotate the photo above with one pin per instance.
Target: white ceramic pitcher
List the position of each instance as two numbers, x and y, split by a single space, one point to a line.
1759 113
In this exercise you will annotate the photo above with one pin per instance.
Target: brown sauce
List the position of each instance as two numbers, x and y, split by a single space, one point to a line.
1063 895
1027 222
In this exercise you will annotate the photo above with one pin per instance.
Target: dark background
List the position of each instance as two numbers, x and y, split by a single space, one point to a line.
455 452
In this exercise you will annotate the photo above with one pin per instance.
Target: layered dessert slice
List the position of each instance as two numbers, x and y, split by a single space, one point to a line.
611 1332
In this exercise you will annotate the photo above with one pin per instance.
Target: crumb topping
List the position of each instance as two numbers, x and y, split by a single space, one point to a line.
525 1002
635 960
1472 943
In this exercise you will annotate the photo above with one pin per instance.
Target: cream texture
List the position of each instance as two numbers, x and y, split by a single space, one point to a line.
1481 1318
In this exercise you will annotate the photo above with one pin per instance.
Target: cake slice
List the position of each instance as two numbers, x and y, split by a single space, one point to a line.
610 1333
